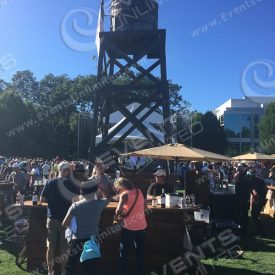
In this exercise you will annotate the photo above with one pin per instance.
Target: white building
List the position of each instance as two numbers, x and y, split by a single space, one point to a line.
240 119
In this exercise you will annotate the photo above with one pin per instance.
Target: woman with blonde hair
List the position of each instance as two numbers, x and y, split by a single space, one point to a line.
131 207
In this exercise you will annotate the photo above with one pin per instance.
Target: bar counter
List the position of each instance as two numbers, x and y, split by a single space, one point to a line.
164 237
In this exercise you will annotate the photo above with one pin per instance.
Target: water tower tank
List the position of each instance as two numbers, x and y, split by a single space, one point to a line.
134 15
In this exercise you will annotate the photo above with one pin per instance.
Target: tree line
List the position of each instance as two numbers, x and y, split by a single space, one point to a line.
47 117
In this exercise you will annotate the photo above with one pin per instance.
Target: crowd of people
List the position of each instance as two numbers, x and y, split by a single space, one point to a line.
226 170
250 180
77 192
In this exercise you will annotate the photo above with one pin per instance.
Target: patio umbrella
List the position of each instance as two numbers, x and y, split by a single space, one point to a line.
273 157
178 152
254 157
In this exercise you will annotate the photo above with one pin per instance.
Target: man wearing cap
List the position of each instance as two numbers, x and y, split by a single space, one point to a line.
59 198
19 179
159 184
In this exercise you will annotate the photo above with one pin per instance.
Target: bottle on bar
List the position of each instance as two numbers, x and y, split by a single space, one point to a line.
163 198
117 174
18 198
35 196
183 203
154 199
187 201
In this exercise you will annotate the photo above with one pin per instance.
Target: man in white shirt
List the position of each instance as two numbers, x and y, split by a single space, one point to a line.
133 161
35 173
46 168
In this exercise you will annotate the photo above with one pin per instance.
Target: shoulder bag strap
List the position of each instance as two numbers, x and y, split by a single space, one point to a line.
132 207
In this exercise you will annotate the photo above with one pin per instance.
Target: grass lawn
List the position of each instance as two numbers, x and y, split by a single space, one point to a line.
258 258
7 263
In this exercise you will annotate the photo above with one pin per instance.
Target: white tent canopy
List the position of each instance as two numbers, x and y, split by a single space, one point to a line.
154 118
135 135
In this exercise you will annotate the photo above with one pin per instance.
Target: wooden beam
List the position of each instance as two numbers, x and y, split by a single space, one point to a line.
132 128
105 141
132 61
136 122
151 68
165 90
125 70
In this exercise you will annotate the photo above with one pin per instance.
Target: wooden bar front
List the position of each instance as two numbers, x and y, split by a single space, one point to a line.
164 237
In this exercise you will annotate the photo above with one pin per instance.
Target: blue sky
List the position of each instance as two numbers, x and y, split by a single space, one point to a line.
208 66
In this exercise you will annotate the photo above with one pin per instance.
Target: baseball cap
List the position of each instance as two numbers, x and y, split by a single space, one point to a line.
89 187
63 165
160 173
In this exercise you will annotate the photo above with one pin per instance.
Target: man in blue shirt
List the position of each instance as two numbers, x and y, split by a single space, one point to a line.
58 193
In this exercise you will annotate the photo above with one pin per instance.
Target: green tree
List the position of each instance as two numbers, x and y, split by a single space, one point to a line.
267 130
44 115
82 92
16 117
208 134
56 106
25 84
3 85
176 100
141 95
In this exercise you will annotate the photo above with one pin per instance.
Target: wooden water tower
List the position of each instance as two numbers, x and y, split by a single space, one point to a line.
134 47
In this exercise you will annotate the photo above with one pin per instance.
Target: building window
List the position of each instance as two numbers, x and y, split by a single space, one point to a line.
256 118
237 125
256 131
256 125
233 149
222 120
239 148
